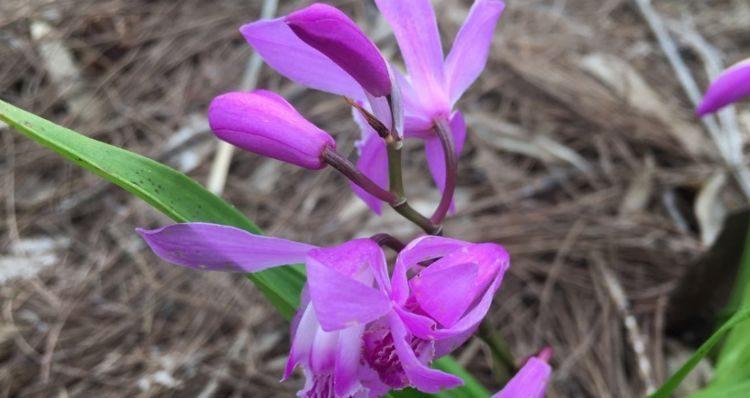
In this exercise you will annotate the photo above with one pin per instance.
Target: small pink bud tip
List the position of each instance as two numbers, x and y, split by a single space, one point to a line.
545 354
264 123
331 32
730 86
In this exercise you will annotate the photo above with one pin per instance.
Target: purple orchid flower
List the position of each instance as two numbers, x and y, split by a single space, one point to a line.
319 47
263 122
359 333
531 381
730 86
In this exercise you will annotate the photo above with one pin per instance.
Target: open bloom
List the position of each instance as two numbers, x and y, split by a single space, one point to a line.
730 86
319 47
263 122
359 332
531 381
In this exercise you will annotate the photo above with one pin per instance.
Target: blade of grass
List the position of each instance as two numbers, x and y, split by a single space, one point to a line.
666 390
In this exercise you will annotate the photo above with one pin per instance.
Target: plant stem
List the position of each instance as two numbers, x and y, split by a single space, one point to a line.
443 131
501 356
388 240
396 200
348 169
401 205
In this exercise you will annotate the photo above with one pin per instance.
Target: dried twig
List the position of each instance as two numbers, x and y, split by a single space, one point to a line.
636 338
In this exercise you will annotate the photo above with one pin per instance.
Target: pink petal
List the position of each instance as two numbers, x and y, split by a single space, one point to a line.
302 341
468 56
417 251
345 377
417 325
446 345
420 376
445 294
475 315
730 86
331 32
280 47
213 247
373 162
530 382
416 31
340 283
265 124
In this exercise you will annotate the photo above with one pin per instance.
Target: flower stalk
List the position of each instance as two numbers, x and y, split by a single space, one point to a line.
443 131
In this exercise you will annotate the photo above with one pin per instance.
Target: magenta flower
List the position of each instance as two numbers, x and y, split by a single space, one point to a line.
331 32
730 86
359 332
319 47
531 381
263 122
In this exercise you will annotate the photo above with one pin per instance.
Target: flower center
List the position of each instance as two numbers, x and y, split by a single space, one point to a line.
322 387
380 354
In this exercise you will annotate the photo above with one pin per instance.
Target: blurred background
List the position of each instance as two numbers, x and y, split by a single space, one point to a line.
583 158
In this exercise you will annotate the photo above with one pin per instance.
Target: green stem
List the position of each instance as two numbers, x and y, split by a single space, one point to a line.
502 358
401 205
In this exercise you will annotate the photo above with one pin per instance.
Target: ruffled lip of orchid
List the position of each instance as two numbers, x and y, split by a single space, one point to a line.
264 123
331 32
730 86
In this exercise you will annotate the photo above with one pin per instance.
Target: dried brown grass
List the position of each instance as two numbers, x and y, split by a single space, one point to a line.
562 167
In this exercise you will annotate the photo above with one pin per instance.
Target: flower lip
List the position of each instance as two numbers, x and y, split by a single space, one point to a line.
730 86
264 123
331 32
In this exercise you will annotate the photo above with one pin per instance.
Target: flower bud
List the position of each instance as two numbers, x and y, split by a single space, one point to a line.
730 86
263 122
331 32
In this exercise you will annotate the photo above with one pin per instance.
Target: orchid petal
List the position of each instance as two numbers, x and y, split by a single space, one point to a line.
280 47
214 247
468 56
445 294
419 250
340 279
413 108
418 325
324 350
264 123
345 376
448 344
302 340
334 34
475 314
373 162
730 86
420 376
530 382
416 31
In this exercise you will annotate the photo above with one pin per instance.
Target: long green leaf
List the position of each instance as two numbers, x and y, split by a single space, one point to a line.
164 188
673 382
733 362
184 200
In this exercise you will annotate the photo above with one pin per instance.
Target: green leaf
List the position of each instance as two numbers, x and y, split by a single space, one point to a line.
164 188
734 390
733 362
673 382
184 200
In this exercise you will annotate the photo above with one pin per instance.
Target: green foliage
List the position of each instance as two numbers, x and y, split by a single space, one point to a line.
184 200
673 382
